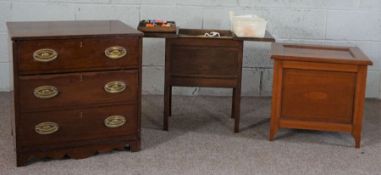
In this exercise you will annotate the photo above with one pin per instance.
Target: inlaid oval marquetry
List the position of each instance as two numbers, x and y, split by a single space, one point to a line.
316 95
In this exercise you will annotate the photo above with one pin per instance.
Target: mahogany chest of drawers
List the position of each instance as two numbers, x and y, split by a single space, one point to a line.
318 88
77 88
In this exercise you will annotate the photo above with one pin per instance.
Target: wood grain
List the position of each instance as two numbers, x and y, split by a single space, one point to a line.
80 73
78 90
318 88
193 60
89 54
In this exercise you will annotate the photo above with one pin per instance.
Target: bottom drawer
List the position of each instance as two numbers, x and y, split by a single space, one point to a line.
55 127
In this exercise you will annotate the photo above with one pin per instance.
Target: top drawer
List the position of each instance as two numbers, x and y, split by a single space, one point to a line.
70 55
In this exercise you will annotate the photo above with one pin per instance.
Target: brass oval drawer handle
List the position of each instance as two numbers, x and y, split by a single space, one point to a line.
45 55
115 87
115 121
115 52
46 128
45 92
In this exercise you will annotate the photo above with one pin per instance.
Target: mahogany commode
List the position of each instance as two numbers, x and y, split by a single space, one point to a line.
318 88
77 88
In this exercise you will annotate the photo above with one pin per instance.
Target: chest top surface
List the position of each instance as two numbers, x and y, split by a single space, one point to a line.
68 29
319 53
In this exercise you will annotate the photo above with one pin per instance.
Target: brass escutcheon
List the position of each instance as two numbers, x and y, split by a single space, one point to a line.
45 55
46 128
45 92
115 52
115 87
115 121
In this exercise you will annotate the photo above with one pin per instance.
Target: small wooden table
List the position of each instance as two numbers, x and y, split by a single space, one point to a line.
194 60
318 88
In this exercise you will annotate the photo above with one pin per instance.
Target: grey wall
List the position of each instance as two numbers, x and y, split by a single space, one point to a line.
333 22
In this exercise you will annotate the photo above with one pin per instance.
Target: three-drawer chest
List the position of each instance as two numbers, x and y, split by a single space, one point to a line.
77 88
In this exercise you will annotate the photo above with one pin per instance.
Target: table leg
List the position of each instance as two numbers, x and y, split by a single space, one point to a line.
236 108
170 101
233 103
167 97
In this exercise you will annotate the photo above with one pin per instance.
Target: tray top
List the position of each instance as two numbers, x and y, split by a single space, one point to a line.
196 33
319 53
63 29
199 33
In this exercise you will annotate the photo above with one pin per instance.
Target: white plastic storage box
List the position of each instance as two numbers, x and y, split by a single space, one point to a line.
249 26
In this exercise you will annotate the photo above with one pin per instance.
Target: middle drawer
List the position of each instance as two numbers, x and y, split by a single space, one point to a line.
46 92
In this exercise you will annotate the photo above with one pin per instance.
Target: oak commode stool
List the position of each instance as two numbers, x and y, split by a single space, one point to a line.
318 88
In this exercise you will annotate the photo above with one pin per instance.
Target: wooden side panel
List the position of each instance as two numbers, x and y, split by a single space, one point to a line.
204 61
322 96
276 99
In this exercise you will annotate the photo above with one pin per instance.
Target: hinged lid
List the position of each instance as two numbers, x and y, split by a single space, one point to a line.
319 53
